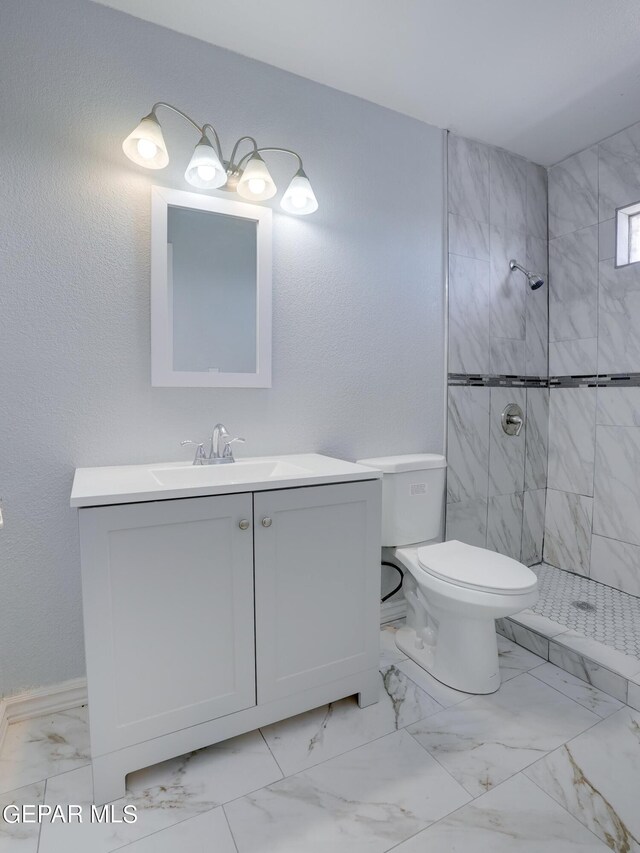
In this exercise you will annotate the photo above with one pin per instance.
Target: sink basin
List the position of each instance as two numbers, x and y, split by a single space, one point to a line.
165 481
242 471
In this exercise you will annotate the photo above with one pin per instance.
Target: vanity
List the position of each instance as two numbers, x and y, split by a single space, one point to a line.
221 598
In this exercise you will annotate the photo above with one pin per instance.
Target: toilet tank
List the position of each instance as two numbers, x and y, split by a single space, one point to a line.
412 496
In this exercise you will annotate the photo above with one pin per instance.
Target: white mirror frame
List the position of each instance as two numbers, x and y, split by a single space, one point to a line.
162 372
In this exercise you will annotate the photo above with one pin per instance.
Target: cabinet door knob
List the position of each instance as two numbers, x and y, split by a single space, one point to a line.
244 524
266 522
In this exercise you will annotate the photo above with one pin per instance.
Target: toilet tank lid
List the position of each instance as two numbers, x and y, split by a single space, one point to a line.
406 462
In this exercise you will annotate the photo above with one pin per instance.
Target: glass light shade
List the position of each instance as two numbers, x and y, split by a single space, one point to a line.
205 169
256 184
299 197
145 146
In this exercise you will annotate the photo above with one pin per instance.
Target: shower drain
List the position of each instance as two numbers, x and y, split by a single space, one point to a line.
584 605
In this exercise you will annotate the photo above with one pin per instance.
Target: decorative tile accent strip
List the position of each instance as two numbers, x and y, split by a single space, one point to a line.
597 380
615 380
497 381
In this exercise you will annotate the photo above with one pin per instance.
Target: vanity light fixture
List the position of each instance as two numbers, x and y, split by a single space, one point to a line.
247 175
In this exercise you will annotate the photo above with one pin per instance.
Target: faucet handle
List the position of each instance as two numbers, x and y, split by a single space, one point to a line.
227 445
200 452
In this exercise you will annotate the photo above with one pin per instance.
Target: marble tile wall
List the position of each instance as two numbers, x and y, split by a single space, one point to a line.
497 211
593 504
497 326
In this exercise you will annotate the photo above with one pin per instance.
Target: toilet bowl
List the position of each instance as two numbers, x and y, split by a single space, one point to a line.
454 591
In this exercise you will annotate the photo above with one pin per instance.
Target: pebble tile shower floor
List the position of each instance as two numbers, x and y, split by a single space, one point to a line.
601 612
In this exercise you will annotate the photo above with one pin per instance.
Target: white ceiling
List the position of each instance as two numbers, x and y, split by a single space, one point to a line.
543 78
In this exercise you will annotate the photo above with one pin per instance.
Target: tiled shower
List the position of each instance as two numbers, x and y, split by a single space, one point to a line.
498 350
593 498
566 491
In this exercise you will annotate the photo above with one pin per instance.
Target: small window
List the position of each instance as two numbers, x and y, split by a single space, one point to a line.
628 235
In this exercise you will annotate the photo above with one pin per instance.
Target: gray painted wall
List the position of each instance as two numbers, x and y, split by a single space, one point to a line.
358 288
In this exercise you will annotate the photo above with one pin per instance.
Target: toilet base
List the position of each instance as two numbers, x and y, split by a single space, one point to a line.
470 668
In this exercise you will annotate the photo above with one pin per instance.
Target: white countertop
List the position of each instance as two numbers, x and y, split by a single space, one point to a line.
166 480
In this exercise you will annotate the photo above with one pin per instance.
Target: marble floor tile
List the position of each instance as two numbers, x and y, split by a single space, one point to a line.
315 736
537 622
595 778
530 640
36 749
389 652
205 833
624 664
584 694
442 693
365 801
587 670
487 739
515 816
20 837
514 659
165 794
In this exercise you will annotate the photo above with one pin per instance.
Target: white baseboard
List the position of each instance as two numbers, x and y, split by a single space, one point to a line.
41 701
392 610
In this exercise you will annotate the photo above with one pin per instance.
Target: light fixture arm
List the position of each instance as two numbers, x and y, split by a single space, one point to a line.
232 166
180 113
215 137
201 130
260 150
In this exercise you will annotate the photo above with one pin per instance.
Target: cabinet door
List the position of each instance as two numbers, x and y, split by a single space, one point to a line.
317 581
168 612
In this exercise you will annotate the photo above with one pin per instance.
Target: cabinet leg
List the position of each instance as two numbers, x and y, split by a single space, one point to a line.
108 781
370 690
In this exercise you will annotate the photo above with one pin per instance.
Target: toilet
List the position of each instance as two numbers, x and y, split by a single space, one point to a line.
454 591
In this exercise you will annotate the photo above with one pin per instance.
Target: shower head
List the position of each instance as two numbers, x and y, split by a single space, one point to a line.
535 280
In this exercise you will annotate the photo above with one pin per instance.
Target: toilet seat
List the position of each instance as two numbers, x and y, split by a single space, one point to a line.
476 568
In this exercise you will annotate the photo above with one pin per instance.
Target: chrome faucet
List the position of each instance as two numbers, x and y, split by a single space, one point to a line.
220 452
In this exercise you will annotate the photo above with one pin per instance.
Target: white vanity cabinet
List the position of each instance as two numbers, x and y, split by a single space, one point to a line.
206 617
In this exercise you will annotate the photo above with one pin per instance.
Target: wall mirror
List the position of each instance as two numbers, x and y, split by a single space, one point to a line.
210 291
